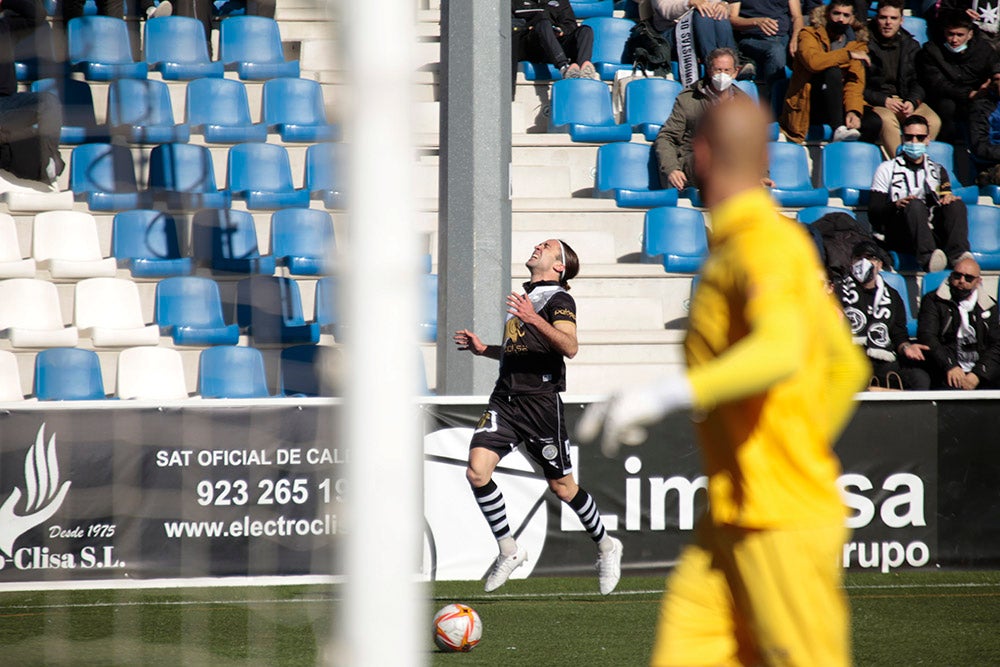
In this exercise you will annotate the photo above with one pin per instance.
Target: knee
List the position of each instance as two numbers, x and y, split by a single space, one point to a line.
564 489
475 477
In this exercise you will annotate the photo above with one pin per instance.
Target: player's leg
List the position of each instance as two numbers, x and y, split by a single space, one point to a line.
548 444
492 439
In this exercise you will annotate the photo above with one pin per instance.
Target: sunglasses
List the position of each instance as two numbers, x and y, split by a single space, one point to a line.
914 137
969 278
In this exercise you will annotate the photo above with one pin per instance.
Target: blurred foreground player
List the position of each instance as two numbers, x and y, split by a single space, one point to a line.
525 408
772 371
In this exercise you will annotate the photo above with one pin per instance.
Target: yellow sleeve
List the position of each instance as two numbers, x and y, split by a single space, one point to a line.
849 372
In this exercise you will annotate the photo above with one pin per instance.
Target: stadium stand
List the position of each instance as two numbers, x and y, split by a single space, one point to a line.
147 243
326 308
303 368
269 308
175 47
12 265
898 281
646 100
108 312
79 121
140 112
811 214
789 168
68 374
66 244
627 172
585 9
261 176
984 236
226 240
582 108
610 35
848 169
323 178
103 175
218 110
302 240
676 238
251 46
150 373
10 377
31 315
182 176
294 108
98 47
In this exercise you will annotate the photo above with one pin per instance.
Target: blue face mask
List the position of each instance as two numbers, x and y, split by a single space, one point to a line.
956 49
915 150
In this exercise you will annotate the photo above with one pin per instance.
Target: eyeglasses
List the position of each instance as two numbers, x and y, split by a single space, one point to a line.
914 137
969 278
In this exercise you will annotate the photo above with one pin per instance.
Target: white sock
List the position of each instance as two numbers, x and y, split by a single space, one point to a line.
605 545
508 546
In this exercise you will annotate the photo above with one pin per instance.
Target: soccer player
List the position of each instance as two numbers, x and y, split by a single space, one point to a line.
772 371
525 408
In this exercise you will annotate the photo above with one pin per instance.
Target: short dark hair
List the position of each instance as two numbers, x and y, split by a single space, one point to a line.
955 19
915 119
898 4
720 52
839 3
571 264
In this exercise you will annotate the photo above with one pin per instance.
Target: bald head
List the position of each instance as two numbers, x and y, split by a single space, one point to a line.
730 148
968 266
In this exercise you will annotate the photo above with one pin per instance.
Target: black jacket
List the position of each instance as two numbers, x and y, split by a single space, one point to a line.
908 86
558 11
979 129
937 327
947 75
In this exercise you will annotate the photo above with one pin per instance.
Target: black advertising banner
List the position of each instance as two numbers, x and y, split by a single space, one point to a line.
172 492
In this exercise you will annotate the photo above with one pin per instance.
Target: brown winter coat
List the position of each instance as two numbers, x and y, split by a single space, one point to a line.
814 56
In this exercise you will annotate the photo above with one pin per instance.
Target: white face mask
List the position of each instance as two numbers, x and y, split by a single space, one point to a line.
862 270
957 49
721 81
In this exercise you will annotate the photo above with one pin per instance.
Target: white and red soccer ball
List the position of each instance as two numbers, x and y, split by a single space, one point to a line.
457 628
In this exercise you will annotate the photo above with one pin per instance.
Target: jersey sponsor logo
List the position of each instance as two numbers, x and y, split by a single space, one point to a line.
487 423
550 452
564 314
514 330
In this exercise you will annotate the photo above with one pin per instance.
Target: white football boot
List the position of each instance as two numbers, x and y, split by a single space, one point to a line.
503 567
609 566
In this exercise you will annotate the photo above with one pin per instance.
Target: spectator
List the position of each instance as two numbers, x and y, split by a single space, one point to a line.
828 75
984 131
892 90
550 34
907 191
767 32
953 72
710 24
877 316
958 324
673 142
29 122
983 13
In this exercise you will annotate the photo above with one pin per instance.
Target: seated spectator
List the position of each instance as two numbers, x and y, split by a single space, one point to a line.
551 34
828 75
954 71
892 89
673 142
709 23
983 13
30 123
767 32
984 131
877 317
907 191
958 324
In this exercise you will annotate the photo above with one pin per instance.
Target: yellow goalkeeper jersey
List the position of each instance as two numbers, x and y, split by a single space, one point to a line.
772 368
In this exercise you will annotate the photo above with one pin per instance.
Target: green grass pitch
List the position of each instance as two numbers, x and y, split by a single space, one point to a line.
905 618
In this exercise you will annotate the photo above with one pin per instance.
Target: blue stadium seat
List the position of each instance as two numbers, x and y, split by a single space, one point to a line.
327 307
226 240
103 175
79 123
984 236
848 169
251 45
585 9
270 309
750 88
931 281
189 310
323 178
140 111
68 374
146 243
175 47
294 109
99 47
228 371
582 107
218 109
944 154
917 27
898 282
183 177
628 173
789 169
301 371
676 237
648 103
610 35
811 214
427 318
35 55
539 71
302 239
261 175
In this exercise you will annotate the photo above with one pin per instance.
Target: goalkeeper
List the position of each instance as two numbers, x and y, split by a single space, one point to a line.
771 373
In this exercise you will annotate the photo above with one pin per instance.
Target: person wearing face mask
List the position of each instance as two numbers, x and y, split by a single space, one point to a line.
828 75
673 142
984 131
954 71
959 325
909 193
877 317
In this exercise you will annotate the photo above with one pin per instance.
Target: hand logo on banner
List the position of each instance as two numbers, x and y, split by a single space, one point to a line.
41 477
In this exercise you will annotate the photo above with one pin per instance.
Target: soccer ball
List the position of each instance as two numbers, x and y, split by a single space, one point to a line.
457 628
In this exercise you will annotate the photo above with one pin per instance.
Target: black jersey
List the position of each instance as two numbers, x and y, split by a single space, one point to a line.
528 362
